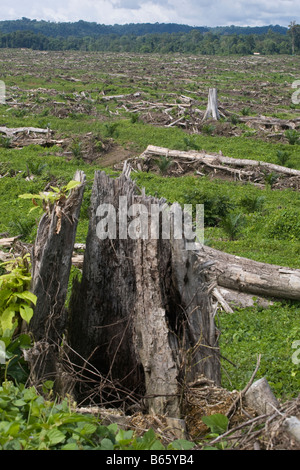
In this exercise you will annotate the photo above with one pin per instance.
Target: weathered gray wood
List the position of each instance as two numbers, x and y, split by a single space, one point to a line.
51 264
252 277
217 159
212 111
261 398
141 313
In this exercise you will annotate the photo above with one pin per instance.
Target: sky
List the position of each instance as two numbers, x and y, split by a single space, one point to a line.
189 12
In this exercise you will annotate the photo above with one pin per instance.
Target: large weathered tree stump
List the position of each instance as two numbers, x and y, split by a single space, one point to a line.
141 313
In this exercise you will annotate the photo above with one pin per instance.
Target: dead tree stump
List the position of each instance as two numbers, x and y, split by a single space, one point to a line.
212 111
141 314
51 264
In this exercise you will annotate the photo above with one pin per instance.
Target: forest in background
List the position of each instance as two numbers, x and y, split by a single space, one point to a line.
149 38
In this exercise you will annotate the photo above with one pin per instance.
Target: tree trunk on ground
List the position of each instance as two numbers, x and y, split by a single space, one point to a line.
212 105
141 314
215 160
251 277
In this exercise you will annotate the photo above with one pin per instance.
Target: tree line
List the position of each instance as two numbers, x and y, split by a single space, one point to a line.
218 41
85 28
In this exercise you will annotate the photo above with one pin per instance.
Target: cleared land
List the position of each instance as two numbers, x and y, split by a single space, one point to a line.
101 109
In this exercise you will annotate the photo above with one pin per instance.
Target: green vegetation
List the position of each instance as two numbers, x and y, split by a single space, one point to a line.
30 421
270 332
147 38
269 216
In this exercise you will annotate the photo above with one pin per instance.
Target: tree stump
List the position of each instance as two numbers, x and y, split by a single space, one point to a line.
51 265
141 314
212 105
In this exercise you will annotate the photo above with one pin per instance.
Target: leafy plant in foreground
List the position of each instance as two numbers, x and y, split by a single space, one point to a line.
31 422
48 198
15 306
218 424
15 297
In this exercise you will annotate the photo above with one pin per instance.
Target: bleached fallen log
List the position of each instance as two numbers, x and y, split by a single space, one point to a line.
251 277
217 294
216 159
7 242
268 122
120 97
10 132
236 299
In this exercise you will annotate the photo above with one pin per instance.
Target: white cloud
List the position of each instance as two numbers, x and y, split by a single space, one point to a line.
192 12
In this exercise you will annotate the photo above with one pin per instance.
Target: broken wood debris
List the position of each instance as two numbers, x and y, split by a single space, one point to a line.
22 136
216 165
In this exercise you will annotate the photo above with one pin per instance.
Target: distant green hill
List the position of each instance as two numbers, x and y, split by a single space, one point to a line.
149 38
84 28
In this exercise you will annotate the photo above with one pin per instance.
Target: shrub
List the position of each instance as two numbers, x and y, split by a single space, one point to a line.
282 157
189 143
270 178
163 164
76 149
111 129
23 227
216 206
284 224
252 203
245 111
292 136
232 224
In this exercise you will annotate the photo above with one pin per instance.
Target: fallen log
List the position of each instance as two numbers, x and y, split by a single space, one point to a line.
252 277
10 132
217 159
119 97
8 242
260 397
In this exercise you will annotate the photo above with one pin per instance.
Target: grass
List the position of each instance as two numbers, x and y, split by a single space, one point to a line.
255 240
270 332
